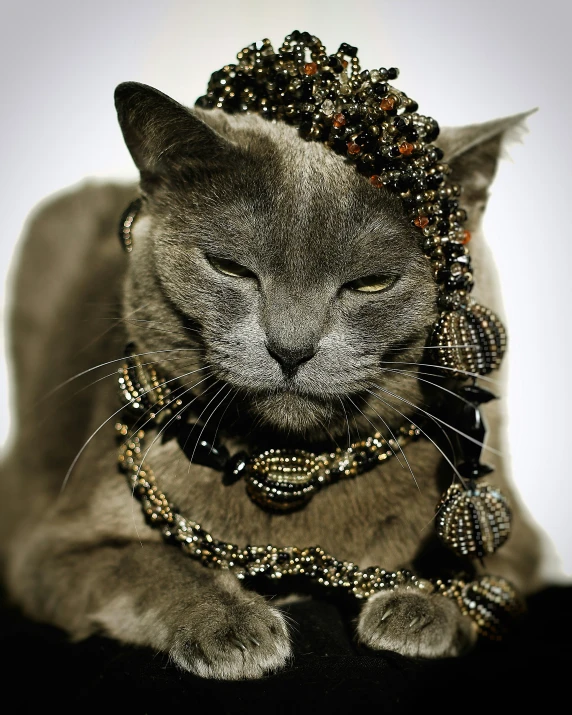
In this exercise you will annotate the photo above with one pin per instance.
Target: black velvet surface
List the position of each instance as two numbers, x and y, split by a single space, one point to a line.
529 671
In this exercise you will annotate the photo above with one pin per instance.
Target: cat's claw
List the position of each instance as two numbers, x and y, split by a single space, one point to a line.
236 642
422 625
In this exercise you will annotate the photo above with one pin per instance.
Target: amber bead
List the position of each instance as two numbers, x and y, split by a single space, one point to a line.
387 103
406 148
353 148
376 181
339 121
466 237
310 68
421 221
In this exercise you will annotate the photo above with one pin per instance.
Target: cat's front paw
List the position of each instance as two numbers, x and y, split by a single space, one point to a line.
415 624
234 641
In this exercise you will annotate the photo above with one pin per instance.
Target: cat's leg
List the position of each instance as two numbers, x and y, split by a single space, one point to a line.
153 595
416 624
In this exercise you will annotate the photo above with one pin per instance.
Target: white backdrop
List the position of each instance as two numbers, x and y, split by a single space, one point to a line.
463 62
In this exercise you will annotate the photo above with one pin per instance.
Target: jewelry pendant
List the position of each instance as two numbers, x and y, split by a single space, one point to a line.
469 339
473 522
283 481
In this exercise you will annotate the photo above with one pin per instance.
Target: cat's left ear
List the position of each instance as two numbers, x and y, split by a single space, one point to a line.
473 153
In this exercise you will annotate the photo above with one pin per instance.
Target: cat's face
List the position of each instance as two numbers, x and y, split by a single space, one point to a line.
291 283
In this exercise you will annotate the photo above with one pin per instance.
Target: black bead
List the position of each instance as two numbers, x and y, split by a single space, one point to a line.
433 133
306 37
435 180
335 63
477 394
199 449
392 73
380 89
348 50
474 470
440 153
403 182
235 468
366 165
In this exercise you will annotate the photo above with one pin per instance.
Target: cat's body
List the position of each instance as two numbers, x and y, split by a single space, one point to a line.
84 558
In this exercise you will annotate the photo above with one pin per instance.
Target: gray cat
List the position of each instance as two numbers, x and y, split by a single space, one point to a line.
246 278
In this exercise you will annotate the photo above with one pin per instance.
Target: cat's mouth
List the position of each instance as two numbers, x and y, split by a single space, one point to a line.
287 409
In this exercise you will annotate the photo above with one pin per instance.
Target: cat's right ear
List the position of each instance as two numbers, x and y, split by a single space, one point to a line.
160 133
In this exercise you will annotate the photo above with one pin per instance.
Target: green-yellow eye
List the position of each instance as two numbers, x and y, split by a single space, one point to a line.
371 284
230 268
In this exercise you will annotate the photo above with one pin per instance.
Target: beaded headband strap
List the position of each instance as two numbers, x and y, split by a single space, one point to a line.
375 126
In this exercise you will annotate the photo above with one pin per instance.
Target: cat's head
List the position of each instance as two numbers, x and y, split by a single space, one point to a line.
290 288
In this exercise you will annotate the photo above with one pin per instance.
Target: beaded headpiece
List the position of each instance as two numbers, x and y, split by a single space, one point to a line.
364 118
359 115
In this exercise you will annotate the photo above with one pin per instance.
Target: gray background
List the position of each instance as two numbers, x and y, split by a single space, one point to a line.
463 62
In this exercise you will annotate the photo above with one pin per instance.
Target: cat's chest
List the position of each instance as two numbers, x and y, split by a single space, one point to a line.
380 518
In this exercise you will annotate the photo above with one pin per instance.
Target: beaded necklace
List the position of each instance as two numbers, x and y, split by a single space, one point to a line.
367 120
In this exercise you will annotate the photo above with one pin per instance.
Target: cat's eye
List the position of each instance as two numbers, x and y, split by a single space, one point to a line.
230 268
371 284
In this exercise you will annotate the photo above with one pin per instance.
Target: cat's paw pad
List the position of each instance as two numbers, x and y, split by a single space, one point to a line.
240 641
415 624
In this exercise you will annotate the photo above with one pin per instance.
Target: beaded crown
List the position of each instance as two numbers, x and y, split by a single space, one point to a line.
363 117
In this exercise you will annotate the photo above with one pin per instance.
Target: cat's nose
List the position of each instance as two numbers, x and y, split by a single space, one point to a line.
290 359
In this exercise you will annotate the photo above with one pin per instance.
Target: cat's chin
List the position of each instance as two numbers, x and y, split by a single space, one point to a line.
294 413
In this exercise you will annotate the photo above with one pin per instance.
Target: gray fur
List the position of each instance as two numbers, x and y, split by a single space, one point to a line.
306 224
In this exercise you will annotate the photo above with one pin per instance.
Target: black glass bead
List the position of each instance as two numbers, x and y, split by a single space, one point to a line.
412 135
348 50
306 129
199 449
433 133
392 73
364 76
412 107
295 35
335 63
393 151
339 145
366 165
306 37
235 468
403 182
474 470
282 79
282 557
440 153
442 227
380 89
399 123
307 90
477 394
435 180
